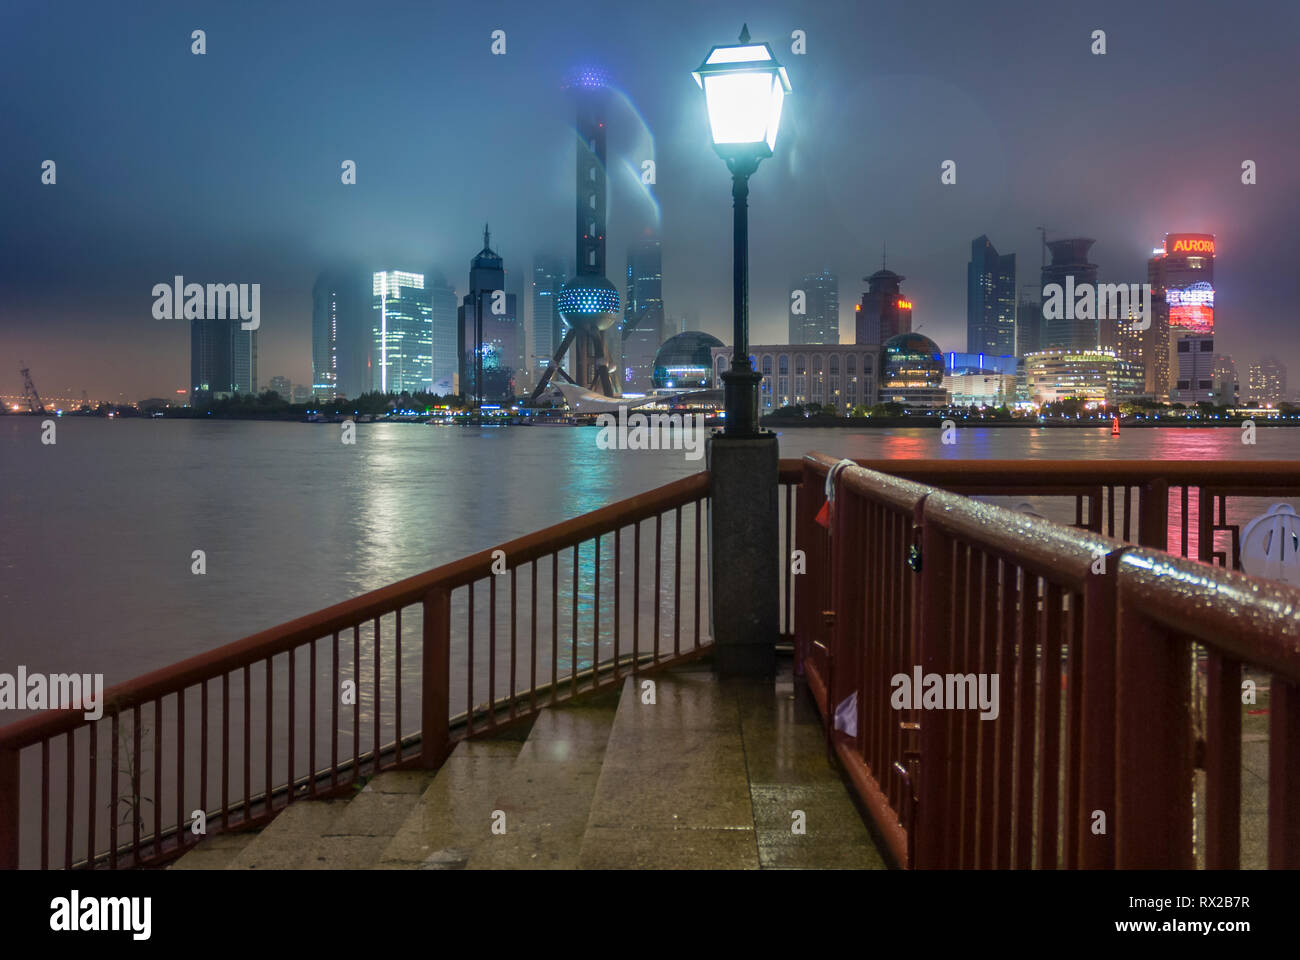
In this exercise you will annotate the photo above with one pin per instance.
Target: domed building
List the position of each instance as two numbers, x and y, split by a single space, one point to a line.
911 372
685 362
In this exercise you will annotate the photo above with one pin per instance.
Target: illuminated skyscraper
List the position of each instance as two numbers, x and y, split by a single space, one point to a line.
1267 382
402 333
488 329
1181 274
1029 320
341 337
990 300
643 316
1069 328
223 359
446 358
815 309
884 312
549 273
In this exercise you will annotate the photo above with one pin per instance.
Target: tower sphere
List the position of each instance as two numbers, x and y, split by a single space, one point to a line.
589 302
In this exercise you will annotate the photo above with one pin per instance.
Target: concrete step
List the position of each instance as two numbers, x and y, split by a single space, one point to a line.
673 790
340 834
712 775
454 814
547 795
215 852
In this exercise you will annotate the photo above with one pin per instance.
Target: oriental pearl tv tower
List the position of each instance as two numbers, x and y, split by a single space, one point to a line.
588 303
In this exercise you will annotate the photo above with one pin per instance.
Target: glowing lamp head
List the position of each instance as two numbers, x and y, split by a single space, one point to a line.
744 89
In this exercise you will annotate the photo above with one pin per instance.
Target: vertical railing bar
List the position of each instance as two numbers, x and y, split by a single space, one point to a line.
45 804
555 625
93 785
135 785
1128 511
356 701
180 768
636 597
573 623
397 686
70 762
435 677
1283 774
203 746
1006 722
492 650
292 720
595 618
248 741
1027 632
113 794
532 655
311 721
699 504
658 556
987 728
378 700
514 621
618 593
785 557
677 583
1223 763
225 752
268 786
1185 522
469 669
334 715
157 779
1073 732
1049 769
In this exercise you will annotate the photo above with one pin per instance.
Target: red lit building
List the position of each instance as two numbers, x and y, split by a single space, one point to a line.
884 312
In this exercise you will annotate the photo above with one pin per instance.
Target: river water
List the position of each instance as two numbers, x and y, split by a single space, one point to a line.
97 530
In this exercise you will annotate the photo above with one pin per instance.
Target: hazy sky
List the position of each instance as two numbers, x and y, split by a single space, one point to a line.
226 167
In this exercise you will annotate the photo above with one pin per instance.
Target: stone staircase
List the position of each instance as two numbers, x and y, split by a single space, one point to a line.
709 775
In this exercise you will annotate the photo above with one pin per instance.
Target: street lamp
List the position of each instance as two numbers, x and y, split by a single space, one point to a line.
744 88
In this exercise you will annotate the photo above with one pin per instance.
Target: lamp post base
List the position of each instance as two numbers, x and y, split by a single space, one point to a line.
744 547
740 400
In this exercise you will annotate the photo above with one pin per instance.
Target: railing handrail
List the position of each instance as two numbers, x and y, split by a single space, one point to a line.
1246 618
1029 473
286 636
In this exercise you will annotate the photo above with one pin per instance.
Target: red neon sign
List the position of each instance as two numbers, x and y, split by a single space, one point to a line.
1193 246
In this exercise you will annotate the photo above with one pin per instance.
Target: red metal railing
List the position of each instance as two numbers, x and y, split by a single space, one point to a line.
1182 506
1089 761
389 679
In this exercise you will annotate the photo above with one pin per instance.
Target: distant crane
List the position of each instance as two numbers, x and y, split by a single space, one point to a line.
34 402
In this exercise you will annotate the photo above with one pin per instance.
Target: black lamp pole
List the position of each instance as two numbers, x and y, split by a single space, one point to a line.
740 383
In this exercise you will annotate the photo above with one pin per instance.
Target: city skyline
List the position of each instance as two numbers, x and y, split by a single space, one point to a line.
125 213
